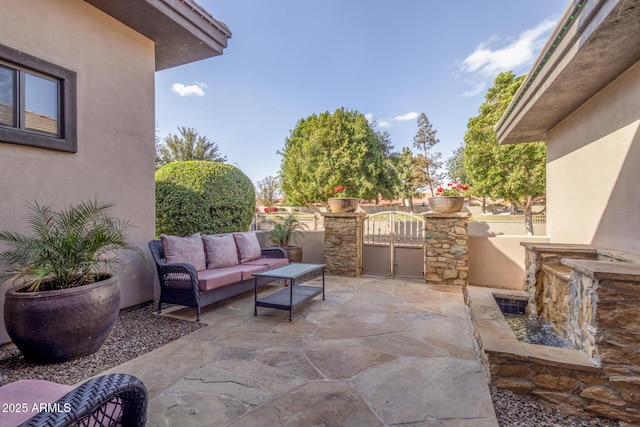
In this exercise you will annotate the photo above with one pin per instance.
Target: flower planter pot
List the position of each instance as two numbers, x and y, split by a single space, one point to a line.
294 253
343 204
446 204
60 325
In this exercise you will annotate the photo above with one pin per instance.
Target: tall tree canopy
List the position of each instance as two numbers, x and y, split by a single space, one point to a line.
515 172
410 175
331 149
189 145
424 140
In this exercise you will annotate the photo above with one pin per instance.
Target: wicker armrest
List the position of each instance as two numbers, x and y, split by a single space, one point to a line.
274 252
179 268
109 400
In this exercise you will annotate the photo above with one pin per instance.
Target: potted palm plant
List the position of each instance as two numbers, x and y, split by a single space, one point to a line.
286 231
64 299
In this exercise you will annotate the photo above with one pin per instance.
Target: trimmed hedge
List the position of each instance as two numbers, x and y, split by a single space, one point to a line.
203 196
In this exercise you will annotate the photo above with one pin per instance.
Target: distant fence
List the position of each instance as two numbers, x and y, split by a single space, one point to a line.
539 219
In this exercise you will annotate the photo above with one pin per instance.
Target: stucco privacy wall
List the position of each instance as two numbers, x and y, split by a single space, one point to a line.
592 169
115 160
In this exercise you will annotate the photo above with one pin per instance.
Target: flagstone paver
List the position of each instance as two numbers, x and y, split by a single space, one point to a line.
376 352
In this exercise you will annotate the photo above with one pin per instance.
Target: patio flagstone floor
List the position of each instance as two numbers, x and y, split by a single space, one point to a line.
377 352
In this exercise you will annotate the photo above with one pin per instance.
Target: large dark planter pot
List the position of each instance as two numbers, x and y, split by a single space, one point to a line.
294 253
61 325
446 204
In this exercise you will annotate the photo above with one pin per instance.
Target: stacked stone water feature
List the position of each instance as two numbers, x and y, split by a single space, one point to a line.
591 296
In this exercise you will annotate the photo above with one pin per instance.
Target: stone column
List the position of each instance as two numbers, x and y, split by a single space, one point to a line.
446 248
343 243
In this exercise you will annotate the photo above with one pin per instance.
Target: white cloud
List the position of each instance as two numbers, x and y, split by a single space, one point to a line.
406 117
478 89
520 52
389 122
190 90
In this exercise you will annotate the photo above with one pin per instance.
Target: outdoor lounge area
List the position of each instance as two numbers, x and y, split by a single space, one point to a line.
377 351
431 348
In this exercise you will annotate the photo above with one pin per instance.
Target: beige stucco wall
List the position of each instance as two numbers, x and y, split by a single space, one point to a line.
496 258
115 158
593 172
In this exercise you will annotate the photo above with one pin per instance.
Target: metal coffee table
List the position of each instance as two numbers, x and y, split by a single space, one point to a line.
294 295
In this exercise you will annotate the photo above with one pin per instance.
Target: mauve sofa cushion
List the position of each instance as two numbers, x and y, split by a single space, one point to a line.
212 279
269 262
248 246
184 249
248 270
28 392
220 250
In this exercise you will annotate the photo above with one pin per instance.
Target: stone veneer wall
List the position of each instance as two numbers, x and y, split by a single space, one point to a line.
592 297
343 243
447 248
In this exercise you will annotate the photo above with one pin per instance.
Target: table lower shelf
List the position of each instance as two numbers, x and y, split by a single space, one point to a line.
282 300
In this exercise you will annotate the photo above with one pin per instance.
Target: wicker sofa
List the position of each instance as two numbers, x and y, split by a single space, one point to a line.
200 270
108 400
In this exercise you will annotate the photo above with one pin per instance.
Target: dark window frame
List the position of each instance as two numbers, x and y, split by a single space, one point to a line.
67 140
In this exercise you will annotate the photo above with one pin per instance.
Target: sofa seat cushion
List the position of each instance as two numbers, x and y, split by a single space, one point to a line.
269 262
220 250
248 270
212 279
29 392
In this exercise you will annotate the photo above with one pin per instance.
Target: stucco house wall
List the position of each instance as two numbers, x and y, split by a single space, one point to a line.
593 159
114 162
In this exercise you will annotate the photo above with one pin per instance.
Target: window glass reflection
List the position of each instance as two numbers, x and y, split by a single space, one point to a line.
7 96
41 104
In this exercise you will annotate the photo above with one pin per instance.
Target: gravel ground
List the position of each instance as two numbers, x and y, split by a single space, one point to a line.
516 410
138 331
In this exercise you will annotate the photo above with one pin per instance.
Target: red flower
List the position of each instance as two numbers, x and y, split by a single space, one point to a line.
266 210
439 190
274 209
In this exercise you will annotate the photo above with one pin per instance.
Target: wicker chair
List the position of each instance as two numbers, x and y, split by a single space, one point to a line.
108 400
179 281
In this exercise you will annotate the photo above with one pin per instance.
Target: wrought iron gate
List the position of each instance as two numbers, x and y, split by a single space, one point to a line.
393 244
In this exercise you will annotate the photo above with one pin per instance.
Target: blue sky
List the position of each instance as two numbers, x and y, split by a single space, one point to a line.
388 59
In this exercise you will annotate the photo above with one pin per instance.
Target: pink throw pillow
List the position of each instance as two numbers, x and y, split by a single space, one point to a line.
248 246
220 250
184 249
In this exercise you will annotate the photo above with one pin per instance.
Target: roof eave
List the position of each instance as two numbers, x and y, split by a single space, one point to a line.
579 59
183 31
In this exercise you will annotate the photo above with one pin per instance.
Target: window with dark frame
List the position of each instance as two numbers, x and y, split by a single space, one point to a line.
37 102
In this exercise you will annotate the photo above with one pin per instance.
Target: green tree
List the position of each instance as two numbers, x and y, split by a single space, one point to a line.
332 149
189 145
515 172
410 175
424 140
268 191
455 166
